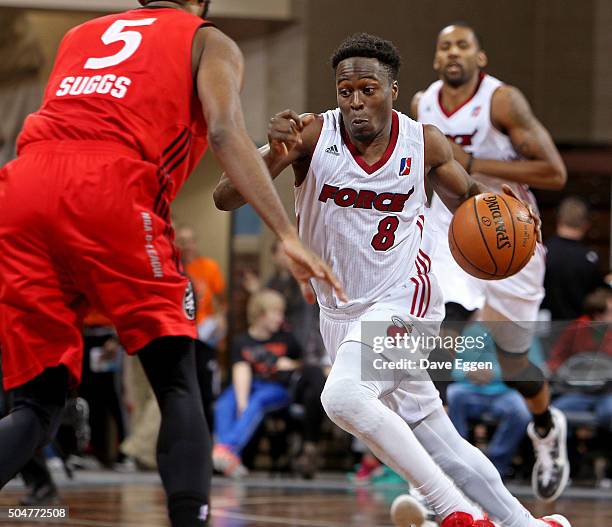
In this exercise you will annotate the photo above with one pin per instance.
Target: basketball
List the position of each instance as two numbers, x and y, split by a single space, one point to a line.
492 236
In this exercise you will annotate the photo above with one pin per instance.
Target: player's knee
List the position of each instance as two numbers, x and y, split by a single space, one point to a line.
347 404
333 398
512 363
529 381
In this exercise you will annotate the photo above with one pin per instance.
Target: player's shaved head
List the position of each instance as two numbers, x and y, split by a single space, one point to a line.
464 25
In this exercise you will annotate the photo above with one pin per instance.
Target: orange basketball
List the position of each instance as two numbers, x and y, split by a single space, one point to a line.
492 236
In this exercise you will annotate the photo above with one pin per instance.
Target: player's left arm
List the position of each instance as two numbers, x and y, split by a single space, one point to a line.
448 178
541 165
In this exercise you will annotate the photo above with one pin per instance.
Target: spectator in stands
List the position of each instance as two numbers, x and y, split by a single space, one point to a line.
266 369
301 318
584 349
590 332
482 391
145 418
209 287
572 270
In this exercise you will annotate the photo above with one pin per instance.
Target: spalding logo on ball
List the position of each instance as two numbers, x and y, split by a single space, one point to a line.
492 236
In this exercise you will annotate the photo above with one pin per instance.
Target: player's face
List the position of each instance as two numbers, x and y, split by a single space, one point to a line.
458 55
365 96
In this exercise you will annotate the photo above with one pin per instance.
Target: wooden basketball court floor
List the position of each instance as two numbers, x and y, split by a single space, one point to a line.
107 499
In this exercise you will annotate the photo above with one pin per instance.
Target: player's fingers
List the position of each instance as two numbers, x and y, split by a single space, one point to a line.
291 115
307 292
278 144
507 189
308 118
280 123
297 131
280 147
277 127
288 136
332 280
538 222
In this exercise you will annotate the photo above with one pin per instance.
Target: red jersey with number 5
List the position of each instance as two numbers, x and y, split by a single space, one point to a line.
127 78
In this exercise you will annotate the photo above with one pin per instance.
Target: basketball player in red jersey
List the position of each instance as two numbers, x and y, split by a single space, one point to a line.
360 173
131 105
496 137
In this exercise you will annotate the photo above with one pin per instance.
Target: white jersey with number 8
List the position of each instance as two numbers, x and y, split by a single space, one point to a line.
367 220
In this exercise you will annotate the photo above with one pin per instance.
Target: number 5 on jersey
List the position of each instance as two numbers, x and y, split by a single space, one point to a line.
116 33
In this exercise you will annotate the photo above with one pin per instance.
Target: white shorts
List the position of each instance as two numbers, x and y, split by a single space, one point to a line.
518 298
412 399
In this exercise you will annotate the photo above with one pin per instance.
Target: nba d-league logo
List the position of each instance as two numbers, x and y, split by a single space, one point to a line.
189 305
203 513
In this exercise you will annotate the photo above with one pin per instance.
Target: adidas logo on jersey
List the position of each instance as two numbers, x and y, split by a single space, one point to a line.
332 150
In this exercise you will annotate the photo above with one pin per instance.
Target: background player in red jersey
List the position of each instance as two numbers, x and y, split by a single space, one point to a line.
85 220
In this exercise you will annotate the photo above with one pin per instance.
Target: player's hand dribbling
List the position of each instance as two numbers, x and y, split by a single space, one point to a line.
304 265
536 217
285 131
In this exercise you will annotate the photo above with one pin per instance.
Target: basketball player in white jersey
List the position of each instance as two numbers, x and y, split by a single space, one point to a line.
360 201
498 140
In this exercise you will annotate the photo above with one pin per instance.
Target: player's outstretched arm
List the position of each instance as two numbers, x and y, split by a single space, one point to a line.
291 141
219 81
449 179
541 166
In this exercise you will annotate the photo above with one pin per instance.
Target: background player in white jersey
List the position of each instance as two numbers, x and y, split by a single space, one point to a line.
360 198
497 139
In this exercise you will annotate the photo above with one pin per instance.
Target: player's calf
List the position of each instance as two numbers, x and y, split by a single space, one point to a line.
33 421
184 445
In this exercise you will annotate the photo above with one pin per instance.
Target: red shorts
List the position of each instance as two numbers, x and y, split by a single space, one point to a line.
78 229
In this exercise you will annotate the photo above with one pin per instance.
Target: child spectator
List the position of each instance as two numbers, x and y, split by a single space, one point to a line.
264 361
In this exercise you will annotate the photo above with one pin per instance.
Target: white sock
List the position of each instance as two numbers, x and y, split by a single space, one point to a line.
471 471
